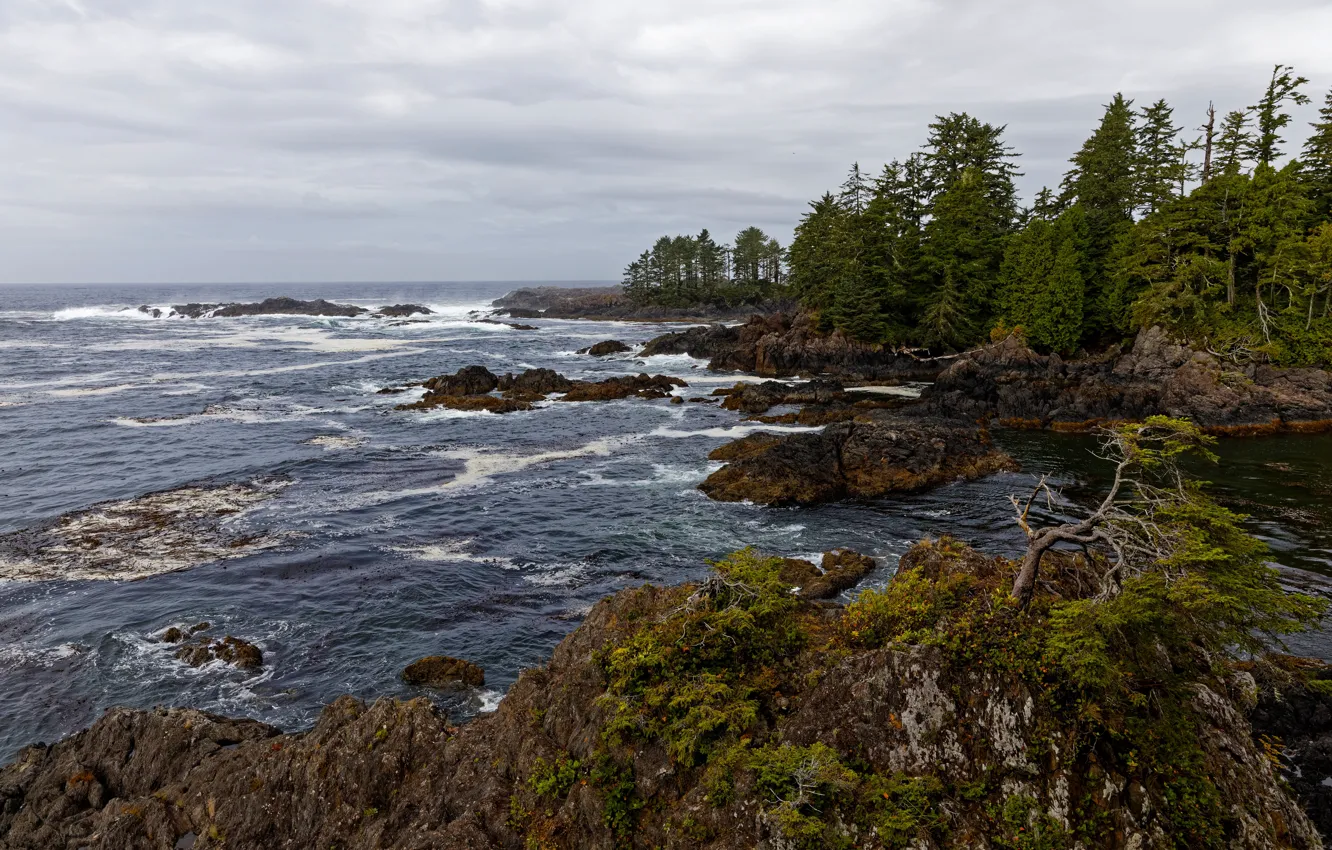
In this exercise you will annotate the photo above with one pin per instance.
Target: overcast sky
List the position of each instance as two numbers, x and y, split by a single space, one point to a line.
307 140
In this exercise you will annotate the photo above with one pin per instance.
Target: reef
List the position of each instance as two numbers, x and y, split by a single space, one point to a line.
473 388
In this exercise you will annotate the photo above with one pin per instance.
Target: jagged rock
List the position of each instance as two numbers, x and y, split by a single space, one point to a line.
602 349
238 653
1009 382
782 345
1291 701
852 459
155 312
541 382
642 386
401 311
759 398
469 380
442 671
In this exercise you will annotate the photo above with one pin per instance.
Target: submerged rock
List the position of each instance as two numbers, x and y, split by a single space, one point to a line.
234 651
852 459
148 535
602 349
443 671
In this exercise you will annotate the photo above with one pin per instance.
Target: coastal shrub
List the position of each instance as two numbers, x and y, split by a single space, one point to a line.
699 673
553 779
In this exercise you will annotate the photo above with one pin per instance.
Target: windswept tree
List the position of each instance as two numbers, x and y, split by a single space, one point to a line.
1282 91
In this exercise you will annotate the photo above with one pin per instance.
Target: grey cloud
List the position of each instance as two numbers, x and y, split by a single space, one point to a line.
151 140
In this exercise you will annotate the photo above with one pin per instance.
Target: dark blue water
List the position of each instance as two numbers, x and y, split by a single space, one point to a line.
403 534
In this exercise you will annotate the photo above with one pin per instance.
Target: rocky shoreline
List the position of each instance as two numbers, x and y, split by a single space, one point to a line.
939 753
609 303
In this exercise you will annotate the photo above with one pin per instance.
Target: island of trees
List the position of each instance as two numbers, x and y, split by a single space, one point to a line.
1220 236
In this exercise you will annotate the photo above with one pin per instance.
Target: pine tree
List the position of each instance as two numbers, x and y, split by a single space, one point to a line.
856 191
1284 88
1234 142
1057 317
1157 160
963 251
817 255
1318 162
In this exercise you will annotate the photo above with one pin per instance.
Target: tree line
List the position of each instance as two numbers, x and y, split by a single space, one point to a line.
1217 234
680 271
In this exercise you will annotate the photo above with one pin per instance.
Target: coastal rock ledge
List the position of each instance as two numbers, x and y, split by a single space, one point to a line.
907 744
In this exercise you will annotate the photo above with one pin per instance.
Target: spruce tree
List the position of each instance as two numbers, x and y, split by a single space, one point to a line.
1234 142
1284 87
1318 162
1157 164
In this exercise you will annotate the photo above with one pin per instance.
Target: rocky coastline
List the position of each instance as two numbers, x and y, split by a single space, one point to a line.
609 303
908 743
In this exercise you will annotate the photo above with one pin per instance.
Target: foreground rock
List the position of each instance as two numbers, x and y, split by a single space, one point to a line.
471 388
606 348
442 671
858 459
269 307
783 345
1014 385
948 751
609 302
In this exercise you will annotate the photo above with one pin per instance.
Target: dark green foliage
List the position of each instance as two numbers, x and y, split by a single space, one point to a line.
934 253
684 271
553 779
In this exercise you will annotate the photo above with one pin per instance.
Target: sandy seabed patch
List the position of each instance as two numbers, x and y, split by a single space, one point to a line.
148 535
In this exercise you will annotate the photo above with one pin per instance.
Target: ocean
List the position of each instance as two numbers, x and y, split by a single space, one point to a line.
291 505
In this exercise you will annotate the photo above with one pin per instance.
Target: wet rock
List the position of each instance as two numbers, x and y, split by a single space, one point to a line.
1019 388
268 307
486 403
402 311
442 671
147 535
173 635
864 459
609 302
841 570
469 380
238 653
391 390
602 349
541 382
155 312
677 400
760 398
640 386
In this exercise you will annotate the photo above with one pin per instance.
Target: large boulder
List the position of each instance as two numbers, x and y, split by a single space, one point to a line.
443 671
602 349
859 459
402 311
469 380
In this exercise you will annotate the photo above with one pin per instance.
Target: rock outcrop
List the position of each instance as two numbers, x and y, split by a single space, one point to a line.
842 569
402 311
782 345
1009 382
609 302
443 671
858 459
239 653
605 348
471 388
946 753
268 307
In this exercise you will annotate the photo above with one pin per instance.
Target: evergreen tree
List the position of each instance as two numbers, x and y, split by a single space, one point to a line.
963 250
1318 161
1234 142
1056 321
1265 147
818 257
1157 170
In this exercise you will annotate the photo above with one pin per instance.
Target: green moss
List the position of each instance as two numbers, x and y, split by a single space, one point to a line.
553 779
700 674
620 801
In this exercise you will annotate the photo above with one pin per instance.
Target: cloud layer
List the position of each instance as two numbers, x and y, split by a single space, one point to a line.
153 140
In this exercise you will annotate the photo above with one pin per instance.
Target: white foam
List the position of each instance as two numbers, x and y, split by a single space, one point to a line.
335 443
451 551
489 701
100 312
558 575
903 391
733 431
